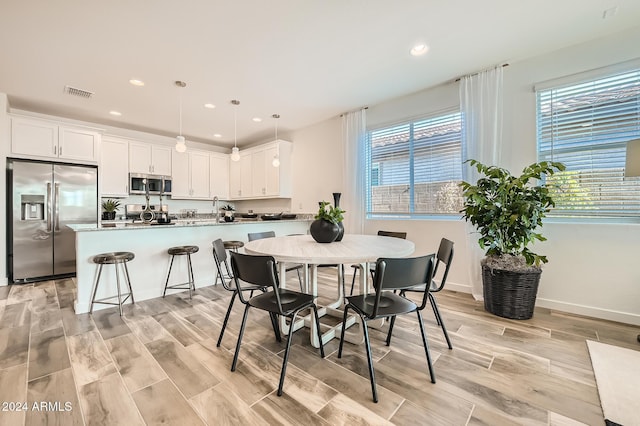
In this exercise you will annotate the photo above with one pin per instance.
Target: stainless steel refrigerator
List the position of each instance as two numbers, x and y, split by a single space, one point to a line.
43 198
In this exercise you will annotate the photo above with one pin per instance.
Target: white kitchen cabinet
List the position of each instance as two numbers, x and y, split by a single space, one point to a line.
190 178
50 140
148 158
219 176
114 167
254 176
235 179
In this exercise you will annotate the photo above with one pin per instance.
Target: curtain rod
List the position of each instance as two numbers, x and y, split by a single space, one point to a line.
476 73
359 109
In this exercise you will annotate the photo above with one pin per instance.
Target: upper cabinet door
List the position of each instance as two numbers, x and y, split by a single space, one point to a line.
272 173
161 160
78 144
180 185
219 175
235 179
259 188
139 157
34 137
199 167
246 173
114 167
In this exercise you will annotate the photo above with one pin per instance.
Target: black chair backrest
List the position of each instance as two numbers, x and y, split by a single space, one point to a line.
402 273
445 256
257 270
260 235
219 252
393 234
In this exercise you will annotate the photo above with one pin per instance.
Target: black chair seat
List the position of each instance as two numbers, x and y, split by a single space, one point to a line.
390 304
290 301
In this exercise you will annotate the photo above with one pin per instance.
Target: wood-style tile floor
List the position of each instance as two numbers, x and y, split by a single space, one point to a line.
159 364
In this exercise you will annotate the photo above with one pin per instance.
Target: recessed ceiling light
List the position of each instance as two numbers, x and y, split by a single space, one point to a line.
419 49
116 113
217 135
136 82
257 119
210 106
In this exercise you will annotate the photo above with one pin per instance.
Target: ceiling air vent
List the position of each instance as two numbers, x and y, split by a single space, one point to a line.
74 91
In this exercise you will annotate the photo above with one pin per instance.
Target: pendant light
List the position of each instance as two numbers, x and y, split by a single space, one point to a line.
235 152
181 143
276 158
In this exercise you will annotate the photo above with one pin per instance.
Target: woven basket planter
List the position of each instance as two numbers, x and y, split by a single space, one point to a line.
510 294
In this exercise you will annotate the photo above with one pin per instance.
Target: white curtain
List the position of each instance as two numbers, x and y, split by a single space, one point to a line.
481 106
353 197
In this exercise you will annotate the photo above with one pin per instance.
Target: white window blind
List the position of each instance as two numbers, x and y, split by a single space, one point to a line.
414 168
586 126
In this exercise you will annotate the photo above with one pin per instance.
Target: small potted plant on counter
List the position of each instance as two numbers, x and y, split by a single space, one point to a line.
109 207
228 212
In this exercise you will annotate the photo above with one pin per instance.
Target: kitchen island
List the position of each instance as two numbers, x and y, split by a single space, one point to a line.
148 271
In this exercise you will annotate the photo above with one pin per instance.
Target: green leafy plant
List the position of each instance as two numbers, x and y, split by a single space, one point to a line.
228 208
110 205
330 213
507 210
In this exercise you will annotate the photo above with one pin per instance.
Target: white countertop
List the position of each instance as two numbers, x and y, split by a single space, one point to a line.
115 226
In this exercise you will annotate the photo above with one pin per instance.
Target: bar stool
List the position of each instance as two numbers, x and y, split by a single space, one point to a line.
114 258
233 245
182 251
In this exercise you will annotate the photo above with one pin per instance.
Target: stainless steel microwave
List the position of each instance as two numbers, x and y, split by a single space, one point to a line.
154 184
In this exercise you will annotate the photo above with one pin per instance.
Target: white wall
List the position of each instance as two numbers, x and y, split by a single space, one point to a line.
591 269
317 165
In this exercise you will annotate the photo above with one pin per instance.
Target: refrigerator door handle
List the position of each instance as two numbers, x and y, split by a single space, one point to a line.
49 212
56 203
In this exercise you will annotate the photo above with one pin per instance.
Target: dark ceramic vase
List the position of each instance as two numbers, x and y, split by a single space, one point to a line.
324 231
108 215
340 232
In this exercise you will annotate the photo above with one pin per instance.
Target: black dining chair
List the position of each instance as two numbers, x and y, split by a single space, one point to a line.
391 274
443 257
261 271
271 234
229 284
372 268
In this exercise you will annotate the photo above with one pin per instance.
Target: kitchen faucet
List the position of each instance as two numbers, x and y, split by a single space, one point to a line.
215 205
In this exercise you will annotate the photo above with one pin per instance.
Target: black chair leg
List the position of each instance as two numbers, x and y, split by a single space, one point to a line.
436 311
302 289
344 323
432 300
276 326
226 318
392 321
372 375
315 313
244 322
283 372
426 348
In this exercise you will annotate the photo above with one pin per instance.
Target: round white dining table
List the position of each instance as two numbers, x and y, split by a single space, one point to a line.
353 249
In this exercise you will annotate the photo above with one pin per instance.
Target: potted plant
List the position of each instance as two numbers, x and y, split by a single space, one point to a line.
325 228
109 207
228 212
507 211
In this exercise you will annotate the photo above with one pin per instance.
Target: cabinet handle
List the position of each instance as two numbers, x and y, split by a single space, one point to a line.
60 153
55 150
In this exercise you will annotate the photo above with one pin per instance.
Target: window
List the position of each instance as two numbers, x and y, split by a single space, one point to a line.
587 126
414 168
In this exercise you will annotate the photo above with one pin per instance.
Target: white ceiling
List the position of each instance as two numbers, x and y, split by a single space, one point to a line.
305 60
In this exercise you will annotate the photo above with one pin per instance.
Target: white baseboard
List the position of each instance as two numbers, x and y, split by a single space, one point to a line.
589 311
461 288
